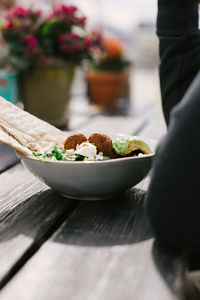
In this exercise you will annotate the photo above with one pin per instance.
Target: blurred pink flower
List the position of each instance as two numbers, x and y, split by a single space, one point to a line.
31 40
7 25
83 21
68 14
18 11
75 36
88 42
68 8
38 12
40 36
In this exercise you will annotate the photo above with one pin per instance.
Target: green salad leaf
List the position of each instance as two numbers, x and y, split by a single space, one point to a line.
120 145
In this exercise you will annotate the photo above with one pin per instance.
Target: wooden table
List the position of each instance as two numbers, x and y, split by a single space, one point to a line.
56 248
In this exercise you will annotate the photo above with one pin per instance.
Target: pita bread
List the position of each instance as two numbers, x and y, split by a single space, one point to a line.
8 139
26 130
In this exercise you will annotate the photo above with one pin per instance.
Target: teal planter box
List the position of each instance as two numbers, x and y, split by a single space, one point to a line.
9 86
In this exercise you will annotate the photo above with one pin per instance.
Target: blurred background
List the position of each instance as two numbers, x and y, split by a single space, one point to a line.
133 23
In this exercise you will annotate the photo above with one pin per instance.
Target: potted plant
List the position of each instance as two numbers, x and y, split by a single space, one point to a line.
45 50
108 78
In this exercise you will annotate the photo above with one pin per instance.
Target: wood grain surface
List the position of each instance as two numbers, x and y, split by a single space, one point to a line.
17 185
29 211
102 251
27 227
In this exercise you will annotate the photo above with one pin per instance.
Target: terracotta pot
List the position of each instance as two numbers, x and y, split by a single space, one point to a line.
106 88
45 91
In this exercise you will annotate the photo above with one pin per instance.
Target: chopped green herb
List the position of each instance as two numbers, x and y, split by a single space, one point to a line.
37 154
58 152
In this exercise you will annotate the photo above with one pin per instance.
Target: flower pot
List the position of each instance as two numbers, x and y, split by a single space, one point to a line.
45 91
106 88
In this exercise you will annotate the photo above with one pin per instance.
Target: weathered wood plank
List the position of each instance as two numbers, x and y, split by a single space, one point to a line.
29 212
8 157
25 229
17 185
25 225
103 251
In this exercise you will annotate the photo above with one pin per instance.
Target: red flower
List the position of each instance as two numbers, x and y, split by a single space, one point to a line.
7 25
71 43
36 33
31 40
75 36
70 9
68 14
83 21
38 13
18 11
64 10
88 43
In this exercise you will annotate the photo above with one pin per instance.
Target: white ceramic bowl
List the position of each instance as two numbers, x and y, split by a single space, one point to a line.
92 180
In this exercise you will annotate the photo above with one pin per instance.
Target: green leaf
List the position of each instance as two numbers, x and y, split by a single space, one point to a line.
120 145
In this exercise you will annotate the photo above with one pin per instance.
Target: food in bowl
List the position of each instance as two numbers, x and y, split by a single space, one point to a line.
92 180
87 168
34 138
98 147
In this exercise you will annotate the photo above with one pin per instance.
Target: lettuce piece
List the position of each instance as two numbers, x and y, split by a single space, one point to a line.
120 145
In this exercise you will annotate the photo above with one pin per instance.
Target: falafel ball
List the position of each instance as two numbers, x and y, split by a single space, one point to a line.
73 140
103 144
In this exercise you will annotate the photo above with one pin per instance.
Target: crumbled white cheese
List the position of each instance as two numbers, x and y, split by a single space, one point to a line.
70 151
86 149
99 157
